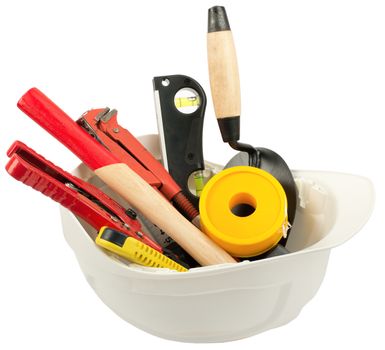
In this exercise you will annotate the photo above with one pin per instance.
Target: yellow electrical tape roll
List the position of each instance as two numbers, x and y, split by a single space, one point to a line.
249 233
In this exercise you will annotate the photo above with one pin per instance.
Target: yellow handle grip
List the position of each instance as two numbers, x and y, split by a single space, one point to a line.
134 250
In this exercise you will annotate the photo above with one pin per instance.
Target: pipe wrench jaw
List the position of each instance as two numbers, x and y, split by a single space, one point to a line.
102 124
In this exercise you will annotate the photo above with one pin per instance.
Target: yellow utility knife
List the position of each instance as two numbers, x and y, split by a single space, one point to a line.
134 250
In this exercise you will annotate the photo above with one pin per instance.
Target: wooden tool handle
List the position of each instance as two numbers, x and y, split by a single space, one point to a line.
223 71
121 178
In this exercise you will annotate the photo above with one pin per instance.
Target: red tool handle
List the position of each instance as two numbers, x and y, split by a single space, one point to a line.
123 180
54 120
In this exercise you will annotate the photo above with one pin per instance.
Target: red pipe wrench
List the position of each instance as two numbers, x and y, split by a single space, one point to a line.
102 124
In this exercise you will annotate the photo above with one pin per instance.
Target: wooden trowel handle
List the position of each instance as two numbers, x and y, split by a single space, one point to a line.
121 178
224 76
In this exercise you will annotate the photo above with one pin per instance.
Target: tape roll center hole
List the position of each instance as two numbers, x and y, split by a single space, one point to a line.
187 101
243 205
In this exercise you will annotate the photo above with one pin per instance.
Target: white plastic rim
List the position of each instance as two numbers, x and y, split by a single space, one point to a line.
230 301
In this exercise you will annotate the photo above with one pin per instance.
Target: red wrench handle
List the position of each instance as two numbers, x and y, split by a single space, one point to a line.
123 180
55 121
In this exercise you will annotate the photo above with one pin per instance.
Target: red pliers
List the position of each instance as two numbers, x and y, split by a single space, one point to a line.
80 197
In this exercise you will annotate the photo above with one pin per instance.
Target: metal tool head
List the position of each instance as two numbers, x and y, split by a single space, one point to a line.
102 125
180 103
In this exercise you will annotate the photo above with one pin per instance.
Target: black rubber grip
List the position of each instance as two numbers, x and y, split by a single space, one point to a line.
230 128
114 236
217 19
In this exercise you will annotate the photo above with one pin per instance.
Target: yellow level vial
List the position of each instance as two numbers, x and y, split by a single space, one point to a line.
192 101
199 182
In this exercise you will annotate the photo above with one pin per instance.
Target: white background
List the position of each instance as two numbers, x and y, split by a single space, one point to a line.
313 86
